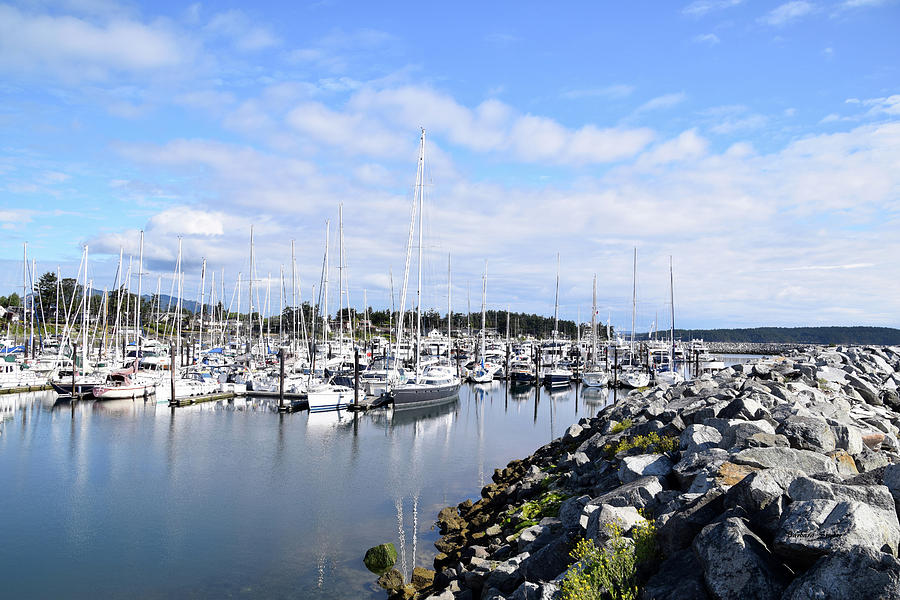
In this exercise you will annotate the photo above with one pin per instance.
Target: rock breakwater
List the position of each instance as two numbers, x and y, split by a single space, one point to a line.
779 479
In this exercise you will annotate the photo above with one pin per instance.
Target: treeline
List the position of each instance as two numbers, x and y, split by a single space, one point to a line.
797 335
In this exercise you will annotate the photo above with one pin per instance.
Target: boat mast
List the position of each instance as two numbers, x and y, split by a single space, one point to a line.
25 341
483 310
137 319
419 276
594 323
293 300
325 324
633 303
449 315
250 290
84 317
556 313
202 298
672 303
341 279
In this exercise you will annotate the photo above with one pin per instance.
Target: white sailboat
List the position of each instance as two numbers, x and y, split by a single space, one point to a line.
670 375
435 383
555 375
594 376
633 376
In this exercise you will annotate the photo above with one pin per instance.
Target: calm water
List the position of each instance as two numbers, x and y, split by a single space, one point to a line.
127 499
124 499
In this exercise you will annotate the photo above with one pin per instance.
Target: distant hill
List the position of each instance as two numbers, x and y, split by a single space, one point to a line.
800 335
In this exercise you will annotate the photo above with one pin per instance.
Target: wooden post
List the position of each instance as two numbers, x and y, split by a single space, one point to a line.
507 362
281 379
355 376
74 357
615 366
172 373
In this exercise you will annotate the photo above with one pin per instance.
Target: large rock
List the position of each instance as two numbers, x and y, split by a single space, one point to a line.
570 512
891 479
699 437
858 574
678 529
506 576
811 528
549 561
744 408
737 564
808 433
640 493
789 458
695 463
536 591
379 559
678 578
757 490
604 519
848 437
644 465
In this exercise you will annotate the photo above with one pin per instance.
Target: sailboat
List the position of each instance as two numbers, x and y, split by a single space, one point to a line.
632 376
594 376
669 375
325 396
556 375
435 383
483 371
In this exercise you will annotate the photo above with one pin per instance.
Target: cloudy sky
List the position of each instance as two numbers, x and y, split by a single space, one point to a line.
757 143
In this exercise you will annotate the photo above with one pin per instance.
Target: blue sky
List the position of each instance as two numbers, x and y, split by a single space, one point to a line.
758 143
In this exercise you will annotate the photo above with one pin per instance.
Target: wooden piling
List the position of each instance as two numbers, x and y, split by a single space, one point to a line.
172 373
74 356
356 376
281 379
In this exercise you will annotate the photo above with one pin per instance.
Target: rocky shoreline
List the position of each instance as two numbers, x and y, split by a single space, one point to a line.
773 480
755 348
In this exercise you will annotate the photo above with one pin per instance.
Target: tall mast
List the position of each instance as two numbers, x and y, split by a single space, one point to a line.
293 300
341 277
419 277
137 317
25 297
250 290
281 309
633 302
84 317
483 309
556 302
325 289
594 322
449 314
202 298
672 303
391 314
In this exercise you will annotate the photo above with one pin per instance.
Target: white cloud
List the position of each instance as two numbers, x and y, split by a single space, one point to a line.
703 7
245 35
615 91
663 102
76 49
788 12
710 39
687 146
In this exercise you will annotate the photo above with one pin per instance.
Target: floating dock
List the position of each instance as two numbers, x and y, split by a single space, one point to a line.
189 400
25 390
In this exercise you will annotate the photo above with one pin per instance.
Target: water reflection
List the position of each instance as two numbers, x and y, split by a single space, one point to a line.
231 498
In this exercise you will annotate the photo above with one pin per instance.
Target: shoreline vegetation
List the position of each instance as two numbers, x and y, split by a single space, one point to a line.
777 479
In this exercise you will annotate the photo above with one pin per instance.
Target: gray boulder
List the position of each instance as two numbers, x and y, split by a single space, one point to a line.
602 520
678 529
570 512
891 479
678 578
808 433
848 437
744 408
699 437
858 574
755 491
789 458
549 561
736 563
696 462
643 465
506 576
640 493
811 528
536 591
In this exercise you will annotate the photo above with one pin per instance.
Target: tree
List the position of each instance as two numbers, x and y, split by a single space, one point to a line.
13 300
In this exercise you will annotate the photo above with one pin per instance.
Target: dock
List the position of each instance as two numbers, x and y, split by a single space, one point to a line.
25 390
190 400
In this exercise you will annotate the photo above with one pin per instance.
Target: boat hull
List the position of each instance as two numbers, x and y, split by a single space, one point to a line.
595 379
413 396
65 389
122 392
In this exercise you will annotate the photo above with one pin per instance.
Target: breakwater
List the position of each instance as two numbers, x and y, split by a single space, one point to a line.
773 480
769 348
